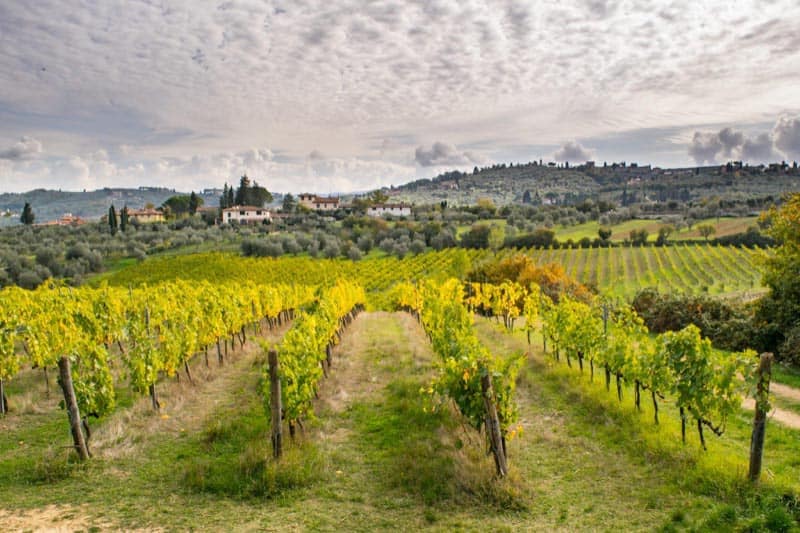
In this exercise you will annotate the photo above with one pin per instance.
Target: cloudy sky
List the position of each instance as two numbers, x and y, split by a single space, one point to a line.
340 95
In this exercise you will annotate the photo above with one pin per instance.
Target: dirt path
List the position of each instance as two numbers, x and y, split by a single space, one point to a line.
782 416
359 367
785 391
786 417
52 518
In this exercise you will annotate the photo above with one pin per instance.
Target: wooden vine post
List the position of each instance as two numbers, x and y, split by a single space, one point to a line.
764 375
275 405
65 379
493 426
3 401
152 388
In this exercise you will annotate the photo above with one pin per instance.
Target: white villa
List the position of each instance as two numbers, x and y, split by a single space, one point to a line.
244 214
396 210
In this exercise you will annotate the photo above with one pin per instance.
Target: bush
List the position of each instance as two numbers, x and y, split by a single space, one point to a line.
729 327
750 239
354 253
332 249
417 246
541 238
29 280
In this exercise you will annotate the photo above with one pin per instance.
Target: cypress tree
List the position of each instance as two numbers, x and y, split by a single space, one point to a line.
123 218
112 219
27 216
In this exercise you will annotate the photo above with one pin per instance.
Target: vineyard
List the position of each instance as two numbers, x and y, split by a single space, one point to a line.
620 271
476 406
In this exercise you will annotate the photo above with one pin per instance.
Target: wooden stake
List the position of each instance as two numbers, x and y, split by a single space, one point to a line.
493 426
154 397
760 417
3 401
65 379
655 406
275 405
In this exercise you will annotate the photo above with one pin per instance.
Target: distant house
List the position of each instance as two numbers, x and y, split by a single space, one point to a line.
397 210
318 203
68 219
145 216
245 214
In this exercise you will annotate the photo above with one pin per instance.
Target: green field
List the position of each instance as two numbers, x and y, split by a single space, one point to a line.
723 226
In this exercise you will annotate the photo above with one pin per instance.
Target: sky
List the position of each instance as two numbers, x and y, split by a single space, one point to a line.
349 95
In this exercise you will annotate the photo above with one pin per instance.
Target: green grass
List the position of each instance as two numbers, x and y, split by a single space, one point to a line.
788 375
497 222
620 232
377 458
711 482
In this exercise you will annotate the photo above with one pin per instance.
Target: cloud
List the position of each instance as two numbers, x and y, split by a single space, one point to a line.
601 8
443 154
730 141
758 149
572 151
763 147
25 148
195 78
704 147
787 136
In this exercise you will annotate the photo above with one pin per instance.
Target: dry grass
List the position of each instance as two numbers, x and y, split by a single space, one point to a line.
52 518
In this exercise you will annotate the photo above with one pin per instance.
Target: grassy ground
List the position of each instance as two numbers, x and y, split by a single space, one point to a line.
707 488
376 459
620 232
788 375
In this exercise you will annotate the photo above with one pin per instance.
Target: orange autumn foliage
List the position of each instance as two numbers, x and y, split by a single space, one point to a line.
551 278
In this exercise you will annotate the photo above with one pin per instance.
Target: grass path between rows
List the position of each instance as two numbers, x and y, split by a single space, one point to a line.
375 458
130 478
615 447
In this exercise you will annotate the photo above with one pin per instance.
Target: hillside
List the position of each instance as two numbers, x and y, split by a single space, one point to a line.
51 205
503 184
623 185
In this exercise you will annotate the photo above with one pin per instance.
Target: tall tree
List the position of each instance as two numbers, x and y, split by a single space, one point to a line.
194 203
251 193
259 195
223 200
243 192
177 205
779 311
289 203
112 220
27 216
123 218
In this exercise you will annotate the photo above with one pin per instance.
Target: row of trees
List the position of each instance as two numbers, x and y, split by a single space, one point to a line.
248 193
